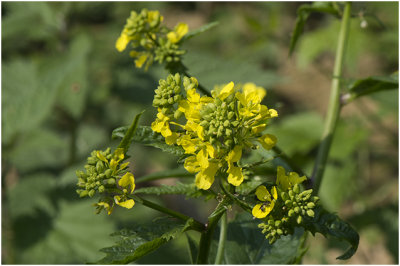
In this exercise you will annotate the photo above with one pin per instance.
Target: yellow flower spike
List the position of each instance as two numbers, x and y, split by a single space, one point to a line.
101 157
180 30
122 42
267 141
205 178
106 206
226 91
192 165
235 154
263 209
235 176
127 180
126 204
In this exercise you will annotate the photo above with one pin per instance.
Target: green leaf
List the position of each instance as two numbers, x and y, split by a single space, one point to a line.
370 85
129 134
302 15
145 135
189 190
136 243
192 248
200 30
329 224
247 245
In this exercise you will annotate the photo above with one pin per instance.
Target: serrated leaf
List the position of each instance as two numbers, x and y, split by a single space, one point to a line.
136 243
247 245
145 135
189 190
371 85
303 13
130 133
200 30
329 224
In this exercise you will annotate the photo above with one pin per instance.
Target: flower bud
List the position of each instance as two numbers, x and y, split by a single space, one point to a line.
299 219
296 188
310 213
310 205
91 193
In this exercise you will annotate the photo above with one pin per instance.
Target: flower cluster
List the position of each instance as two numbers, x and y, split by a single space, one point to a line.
215 130
107 175
286 207
150 40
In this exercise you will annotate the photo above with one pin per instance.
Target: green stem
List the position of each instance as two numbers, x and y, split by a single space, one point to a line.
222 239
334 102
196 225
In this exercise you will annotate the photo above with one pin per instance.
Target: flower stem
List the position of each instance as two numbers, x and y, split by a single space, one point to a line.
222 239
334 102
196 225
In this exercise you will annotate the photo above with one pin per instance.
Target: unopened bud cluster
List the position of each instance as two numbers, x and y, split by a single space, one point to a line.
290 212
167 94
150 40
103 176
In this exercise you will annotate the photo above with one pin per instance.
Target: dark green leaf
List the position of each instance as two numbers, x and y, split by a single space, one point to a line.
329 224
188 190
142 240
129 134
302 15
371 85
247 245
202 29
145 135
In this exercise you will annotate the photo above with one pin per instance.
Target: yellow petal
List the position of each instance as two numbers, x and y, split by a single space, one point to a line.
274 193
257 129
263 194
205 178
122 42
202 158
262 210
170 140
235 176
180 30
235 154
268 141
294 178
127 180
191 165
106 206
226 91
126 204
101 157
141 60
119 154
282 179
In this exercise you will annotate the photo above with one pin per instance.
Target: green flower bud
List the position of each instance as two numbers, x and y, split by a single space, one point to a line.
310 205
310 213
91 161
101 189
296 188
279 231
297 210
284 196
83 193
299 219
99 166
91 193
291 213
108 173
111 181
288 203
291 194
277 223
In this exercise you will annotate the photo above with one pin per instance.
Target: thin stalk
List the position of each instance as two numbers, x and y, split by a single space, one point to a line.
222 239
334 102
195 226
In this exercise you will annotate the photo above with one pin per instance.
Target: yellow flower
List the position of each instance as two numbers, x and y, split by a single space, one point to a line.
122 41
250 99
180 30
285 181
141 60
161 125
192 165
235 176
235 154
267 141
106 206
205 178
126 203
261 210
227 90
127 180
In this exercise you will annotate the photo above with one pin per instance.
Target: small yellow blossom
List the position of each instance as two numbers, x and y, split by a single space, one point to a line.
261 210
127 180
268 141
285 182
205 178
126 203
180 30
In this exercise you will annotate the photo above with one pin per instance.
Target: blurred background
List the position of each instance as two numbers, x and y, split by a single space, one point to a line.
65 88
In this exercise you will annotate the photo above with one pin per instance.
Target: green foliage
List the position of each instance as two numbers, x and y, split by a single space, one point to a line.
145 135
304 12
329 224
179 188
246 245
136 243
200 30
370 85
129 134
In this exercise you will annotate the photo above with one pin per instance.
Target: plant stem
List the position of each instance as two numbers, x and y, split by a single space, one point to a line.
334 102
222 239
196 225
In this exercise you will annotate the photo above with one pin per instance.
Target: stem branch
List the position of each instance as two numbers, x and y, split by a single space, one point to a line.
334 102
222 239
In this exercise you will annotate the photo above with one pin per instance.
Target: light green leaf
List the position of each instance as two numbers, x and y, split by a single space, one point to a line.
370 85
142 240
200 30
130 133
247 245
